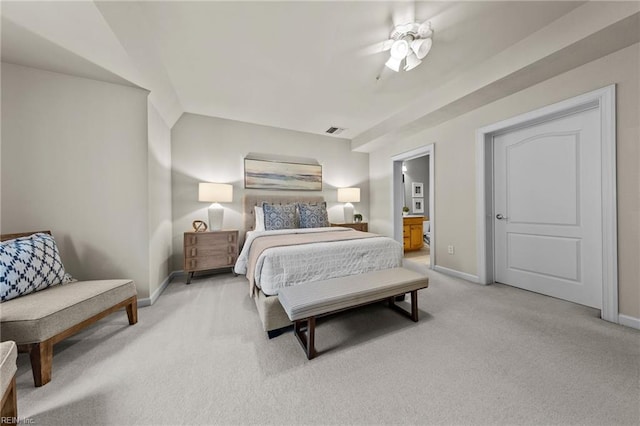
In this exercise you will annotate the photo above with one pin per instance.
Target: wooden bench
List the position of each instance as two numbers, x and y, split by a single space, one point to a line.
303 303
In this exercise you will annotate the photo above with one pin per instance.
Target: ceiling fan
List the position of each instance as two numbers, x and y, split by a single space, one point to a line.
409 44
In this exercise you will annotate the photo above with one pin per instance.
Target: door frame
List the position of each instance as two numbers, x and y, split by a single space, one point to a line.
604 100
397 191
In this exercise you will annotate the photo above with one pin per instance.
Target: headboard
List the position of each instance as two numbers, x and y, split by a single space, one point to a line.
250 201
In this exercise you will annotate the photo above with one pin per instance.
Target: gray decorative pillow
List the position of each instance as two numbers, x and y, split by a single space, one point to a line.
313 215
279 216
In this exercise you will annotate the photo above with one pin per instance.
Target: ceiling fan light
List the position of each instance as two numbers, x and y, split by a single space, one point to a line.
394 63
399 49
412 62
421 47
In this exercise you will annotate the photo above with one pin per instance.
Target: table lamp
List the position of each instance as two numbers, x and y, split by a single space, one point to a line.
348 196
215 193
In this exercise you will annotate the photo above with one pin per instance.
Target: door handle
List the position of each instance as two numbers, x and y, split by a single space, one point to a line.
500 217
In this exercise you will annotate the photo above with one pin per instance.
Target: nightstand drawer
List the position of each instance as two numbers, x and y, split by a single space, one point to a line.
203 263
210 238
205 251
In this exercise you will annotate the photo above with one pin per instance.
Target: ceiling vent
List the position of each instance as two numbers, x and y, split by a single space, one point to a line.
335 130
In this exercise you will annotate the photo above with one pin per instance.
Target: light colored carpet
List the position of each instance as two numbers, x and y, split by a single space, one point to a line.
422 256
479 355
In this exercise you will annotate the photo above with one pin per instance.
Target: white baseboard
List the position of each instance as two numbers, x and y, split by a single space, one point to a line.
457 274
629 321
148 301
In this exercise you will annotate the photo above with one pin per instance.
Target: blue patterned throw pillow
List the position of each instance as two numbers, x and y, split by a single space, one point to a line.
279 216
313 215
29 264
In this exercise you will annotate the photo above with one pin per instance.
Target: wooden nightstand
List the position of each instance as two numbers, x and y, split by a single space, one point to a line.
209 250
358 226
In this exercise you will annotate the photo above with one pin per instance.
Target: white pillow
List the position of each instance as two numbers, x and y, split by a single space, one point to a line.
259 213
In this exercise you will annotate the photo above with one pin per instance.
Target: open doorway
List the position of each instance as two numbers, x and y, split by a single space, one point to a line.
413 204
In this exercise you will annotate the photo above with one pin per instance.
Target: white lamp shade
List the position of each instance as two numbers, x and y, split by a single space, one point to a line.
348 195
421 47
412 62
394 64
399 49
215 192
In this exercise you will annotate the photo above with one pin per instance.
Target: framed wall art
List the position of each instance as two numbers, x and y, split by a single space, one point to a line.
418 205
264 174
417 189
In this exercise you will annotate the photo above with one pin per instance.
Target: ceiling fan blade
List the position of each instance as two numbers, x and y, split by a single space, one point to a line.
374 49
403 13
424 30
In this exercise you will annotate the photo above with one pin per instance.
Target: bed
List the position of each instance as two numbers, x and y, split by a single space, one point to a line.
317 254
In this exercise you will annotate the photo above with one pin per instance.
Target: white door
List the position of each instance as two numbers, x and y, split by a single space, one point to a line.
547 208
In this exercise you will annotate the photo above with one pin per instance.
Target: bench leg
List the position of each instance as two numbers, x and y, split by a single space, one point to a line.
41 355
414 306
9 412
307 341
132 311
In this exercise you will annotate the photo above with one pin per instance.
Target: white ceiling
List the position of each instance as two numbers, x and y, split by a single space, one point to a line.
298 65
311 65
20 46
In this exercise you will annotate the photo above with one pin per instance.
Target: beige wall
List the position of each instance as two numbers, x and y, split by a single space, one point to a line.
74 160
159 170
455 182
207 149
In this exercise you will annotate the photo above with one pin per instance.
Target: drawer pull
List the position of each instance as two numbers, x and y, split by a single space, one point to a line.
230 237
194 251
193 263
230 260
194 239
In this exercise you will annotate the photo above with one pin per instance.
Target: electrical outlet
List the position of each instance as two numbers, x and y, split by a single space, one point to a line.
450 249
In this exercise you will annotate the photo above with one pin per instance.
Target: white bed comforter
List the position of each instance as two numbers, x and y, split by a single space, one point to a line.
279 267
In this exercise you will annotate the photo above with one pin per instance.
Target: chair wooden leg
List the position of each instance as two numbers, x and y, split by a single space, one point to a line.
41 355
132 311
10 404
